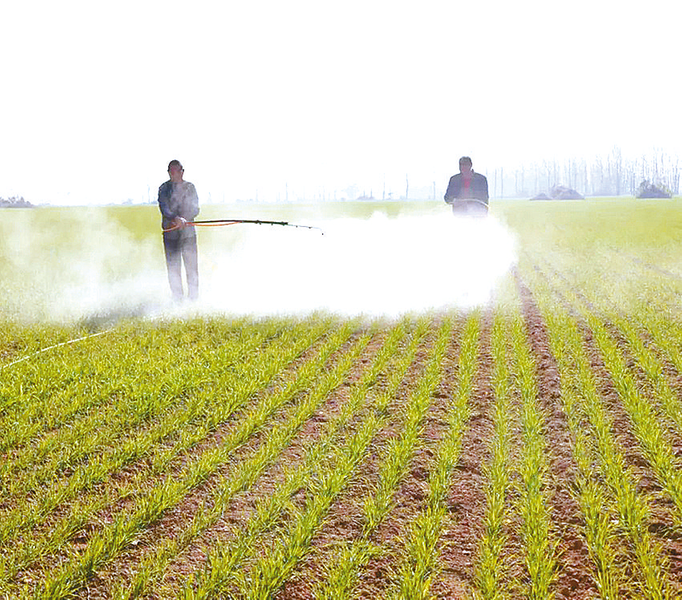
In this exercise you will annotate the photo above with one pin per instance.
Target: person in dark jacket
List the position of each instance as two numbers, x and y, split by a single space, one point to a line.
467 191
179 203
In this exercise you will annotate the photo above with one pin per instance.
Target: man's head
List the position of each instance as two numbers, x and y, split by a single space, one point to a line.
465 166
175 171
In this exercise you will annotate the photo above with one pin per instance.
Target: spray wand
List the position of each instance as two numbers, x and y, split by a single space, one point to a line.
224 222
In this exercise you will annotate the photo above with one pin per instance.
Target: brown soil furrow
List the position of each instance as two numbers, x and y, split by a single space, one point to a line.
575 578
130 474
345 521
622 425
631 361
467 502
131 470
409 501
662 507
241 509
294 453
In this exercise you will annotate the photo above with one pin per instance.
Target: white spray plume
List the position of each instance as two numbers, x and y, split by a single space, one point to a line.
377 266
77 265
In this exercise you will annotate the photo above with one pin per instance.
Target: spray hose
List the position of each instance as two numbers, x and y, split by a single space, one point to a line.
225 222
80 339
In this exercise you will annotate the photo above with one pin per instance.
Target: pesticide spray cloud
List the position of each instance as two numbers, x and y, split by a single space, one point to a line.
76 264
379 266
91 269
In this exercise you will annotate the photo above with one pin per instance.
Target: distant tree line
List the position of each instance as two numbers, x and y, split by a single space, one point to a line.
15 202
612 175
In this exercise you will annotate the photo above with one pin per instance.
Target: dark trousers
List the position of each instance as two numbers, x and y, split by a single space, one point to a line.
180 246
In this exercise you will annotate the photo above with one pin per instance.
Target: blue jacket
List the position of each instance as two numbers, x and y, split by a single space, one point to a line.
171 205
479 188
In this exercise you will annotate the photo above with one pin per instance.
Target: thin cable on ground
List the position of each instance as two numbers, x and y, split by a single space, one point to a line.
55 346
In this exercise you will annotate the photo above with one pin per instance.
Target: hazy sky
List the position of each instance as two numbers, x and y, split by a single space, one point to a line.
254 96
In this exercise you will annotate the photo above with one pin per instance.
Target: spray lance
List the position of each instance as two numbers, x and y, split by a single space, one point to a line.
224 222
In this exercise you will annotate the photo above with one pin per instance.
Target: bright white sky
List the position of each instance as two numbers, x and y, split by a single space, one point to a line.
256 95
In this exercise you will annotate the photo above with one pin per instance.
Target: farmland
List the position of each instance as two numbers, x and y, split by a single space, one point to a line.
526 447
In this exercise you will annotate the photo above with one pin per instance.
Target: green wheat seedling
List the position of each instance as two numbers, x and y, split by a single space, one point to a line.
220 569
666 335
632 507
346 565
133 394
420 567
393 468
270 572
20 340
654 440
37 411
661 392
106 545
490 570
217 409
139 445
616 279
666 338
649 320
278 439
600 530
400 450
537 530
56 390
101 431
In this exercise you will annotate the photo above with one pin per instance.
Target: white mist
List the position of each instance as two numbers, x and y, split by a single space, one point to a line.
88 268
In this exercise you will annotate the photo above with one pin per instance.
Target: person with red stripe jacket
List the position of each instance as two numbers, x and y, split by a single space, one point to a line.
179 203
467 191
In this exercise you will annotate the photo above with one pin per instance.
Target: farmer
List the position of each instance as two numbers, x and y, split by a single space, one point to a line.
467 191
178 203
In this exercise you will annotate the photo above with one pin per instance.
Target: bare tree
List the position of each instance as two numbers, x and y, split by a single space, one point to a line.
674 174
609 175
617 162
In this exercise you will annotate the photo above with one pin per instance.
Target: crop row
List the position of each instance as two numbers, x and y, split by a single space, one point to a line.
196 412
122 459
608 488
619 342
221 566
